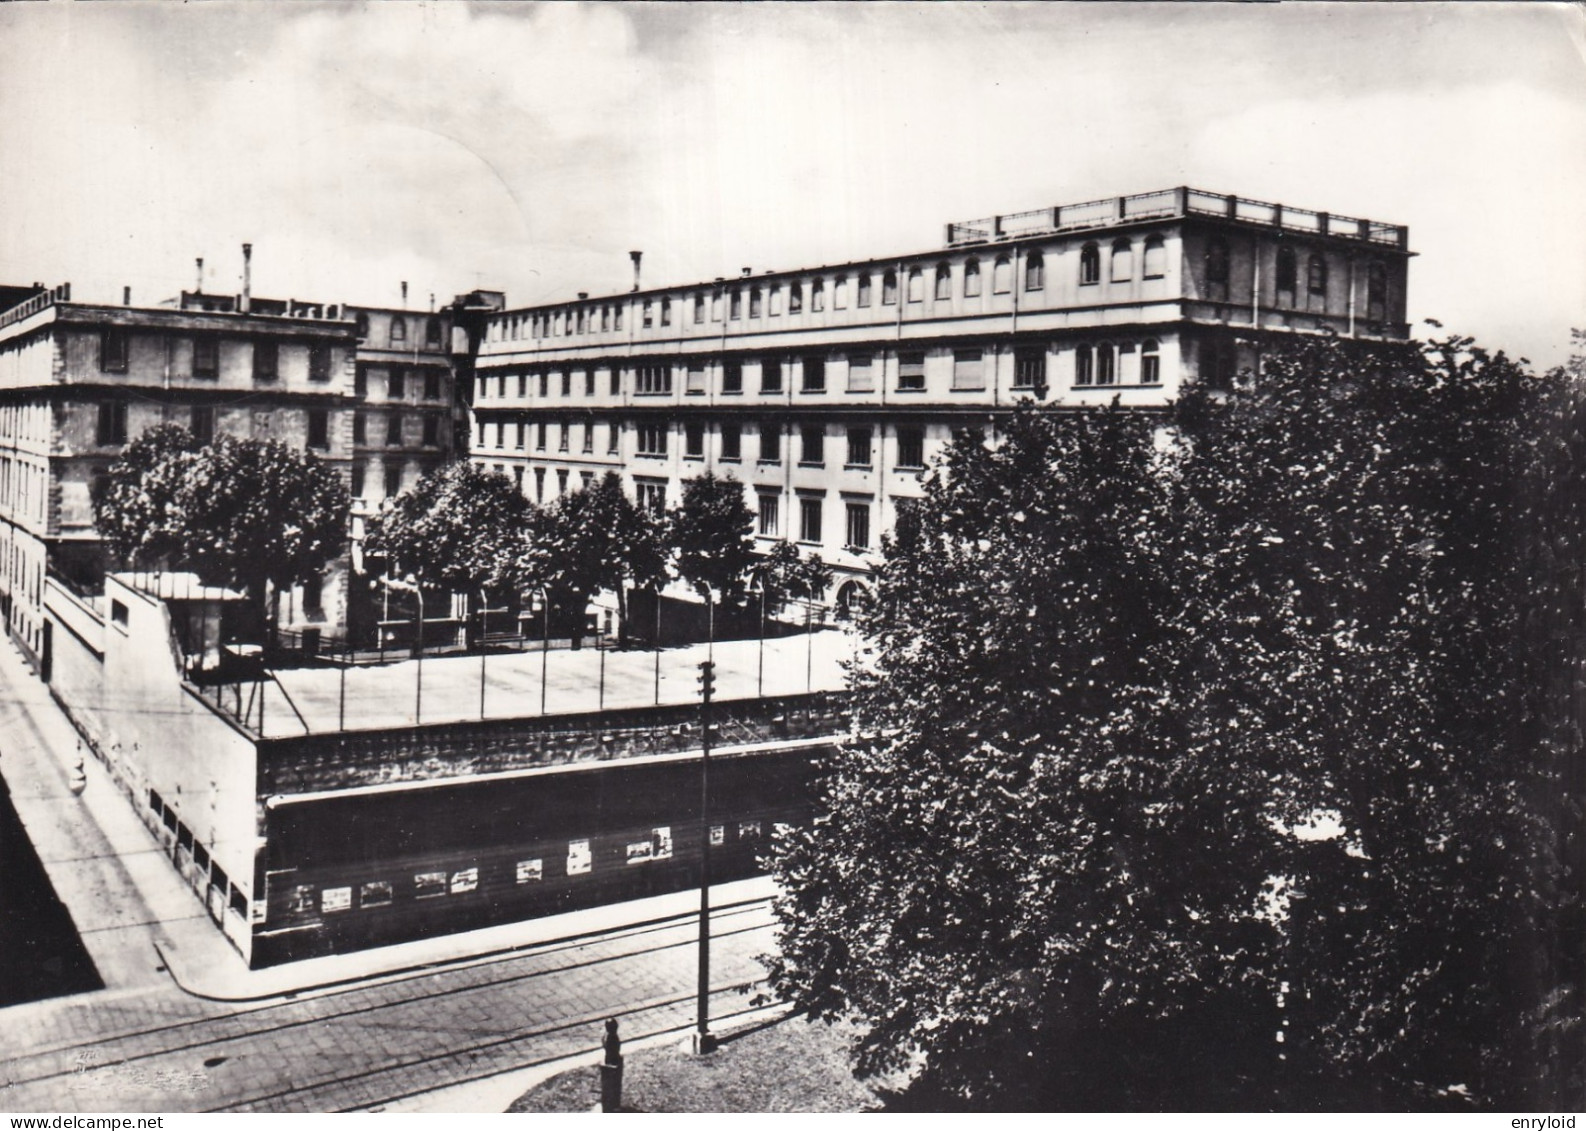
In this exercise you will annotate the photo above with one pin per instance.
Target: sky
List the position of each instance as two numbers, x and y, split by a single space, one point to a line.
529 147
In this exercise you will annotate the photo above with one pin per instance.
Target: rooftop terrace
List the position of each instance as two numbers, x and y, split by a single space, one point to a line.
1166 204
333 698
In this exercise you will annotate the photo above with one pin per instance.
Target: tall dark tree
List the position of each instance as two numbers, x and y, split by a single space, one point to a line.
712 531
260 516
136 508
1256 720
460 526
599 539
994 866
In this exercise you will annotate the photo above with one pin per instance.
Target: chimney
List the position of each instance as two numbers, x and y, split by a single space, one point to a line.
635 256
747 271
582 295
126 296
247 277
199 289
432 302
404 293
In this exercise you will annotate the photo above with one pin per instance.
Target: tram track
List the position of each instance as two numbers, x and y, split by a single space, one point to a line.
586 1022
214 1030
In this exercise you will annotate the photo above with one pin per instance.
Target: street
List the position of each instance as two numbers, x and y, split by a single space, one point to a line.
370 1046
144 1044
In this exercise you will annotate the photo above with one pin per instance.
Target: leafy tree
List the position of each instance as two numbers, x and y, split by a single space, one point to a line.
787 575
599 539
260 516
990 865
136 509
461 526
1258 720
712 531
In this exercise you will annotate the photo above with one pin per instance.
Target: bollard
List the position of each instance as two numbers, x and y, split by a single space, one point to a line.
79 779
611 1070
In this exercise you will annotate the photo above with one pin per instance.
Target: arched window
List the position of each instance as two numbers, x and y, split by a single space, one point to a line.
1106 364
944 282
1150 363
1089 265
1377 291
916 284
432 331
1217 261
1122 261
1034 271
1001 276
818 295
840 293
363 325
851 598
754 302
889 288
699 309
1316 275
863 298
1155 257
1084 366
795 297
972 279
399 329
1288 271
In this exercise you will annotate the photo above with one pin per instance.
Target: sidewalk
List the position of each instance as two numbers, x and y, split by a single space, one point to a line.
143 926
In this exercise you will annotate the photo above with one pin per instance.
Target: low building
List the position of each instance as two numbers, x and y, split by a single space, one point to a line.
331 807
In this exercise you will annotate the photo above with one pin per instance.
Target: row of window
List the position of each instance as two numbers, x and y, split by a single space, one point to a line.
194 847
652 440
114 349
394 429
651 495
309 899
1287 275
811 512
398 381
112 426
393 475
397 332
756 300
971 370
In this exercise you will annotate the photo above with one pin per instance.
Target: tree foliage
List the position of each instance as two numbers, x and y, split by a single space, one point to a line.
250 514
712 531
1256 717
136 508
784 574
599 539
460 525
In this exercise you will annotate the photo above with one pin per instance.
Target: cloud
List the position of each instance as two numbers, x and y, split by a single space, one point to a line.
531 146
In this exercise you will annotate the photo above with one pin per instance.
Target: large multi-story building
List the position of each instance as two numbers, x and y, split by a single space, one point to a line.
79 380
369 390
826 391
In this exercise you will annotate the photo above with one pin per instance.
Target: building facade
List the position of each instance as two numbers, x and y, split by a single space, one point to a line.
79 381
828 391
372 391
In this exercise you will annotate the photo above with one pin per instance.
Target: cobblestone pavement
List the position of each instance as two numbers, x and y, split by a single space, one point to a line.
156 1049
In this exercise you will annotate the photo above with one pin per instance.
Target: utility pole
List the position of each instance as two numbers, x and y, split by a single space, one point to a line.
703 1041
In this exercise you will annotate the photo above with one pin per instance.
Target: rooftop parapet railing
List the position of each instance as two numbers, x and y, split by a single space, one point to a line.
1168 203
31 306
